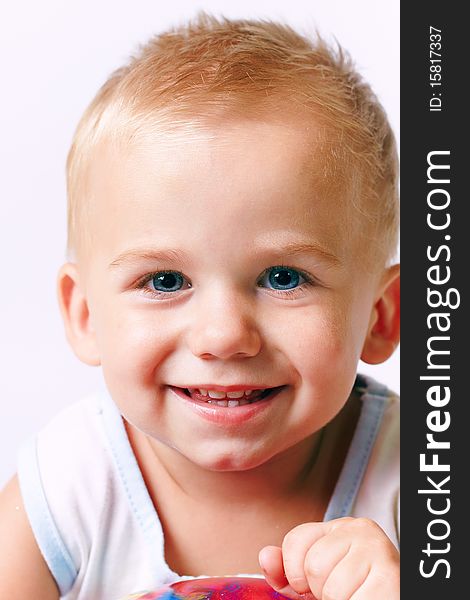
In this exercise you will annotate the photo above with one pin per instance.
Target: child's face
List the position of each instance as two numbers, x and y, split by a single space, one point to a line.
260 285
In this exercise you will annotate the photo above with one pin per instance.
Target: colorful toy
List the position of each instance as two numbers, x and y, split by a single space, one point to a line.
214 588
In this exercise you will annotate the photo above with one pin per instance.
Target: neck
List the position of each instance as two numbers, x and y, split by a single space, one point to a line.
313 464
280 478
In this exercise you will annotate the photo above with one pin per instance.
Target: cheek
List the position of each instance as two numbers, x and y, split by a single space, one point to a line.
132 345
320 336
324 349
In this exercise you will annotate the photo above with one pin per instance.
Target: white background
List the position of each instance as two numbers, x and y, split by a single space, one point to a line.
53 57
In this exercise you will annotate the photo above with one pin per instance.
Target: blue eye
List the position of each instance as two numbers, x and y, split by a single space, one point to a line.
285 280
167 281
282 278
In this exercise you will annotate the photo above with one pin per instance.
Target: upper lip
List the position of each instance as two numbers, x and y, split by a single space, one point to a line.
225 388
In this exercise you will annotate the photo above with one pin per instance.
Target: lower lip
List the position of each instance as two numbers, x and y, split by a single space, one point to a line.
228 415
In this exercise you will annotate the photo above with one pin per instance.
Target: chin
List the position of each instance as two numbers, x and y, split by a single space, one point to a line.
211 459
230 462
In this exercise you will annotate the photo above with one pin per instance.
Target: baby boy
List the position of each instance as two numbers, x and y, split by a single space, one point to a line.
232 223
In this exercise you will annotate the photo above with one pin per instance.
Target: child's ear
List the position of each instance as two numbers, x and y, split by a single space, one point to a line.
74 308
384 327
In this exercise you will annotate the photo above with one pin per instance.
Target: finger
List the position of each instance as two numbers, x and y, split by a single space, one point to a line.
270 560
352 546
379 584
346 577
322 559
294 549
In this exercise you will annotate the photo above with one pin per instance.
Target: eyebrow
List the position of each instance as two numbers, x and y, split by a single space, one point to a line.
179 256
295 248
132 256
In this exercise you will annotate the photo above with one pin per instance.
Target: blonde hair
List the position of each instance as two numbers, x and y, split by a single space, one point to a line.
213 69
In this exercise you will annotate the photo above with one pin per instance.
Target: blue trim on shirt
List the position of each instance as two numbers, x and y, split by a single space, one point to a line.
45 531
136 491
374 400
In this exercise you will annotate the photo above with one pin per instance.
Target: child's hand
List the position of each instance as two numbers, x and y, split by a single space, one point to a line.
343 559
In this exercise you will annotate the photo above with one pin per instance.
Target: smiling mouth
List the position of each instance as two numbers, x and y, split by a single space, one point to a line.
229 399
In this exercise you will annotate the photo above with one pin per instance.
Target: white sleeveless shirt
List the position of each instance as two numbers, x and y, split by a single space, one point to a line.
95 523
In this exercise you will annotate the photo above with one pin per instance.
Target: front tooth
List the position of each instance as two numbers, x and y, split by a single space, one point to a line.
222 402
232 403
214 394
235 394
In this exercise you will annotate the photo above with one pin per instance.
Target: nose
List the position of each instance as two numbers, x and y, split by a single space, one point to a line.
224 326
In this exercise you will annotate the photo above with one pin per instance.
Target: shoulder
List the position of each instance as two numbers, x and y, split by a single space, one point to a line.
64 474
385 454
68 454
23 571
79 422
379 493
88 505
